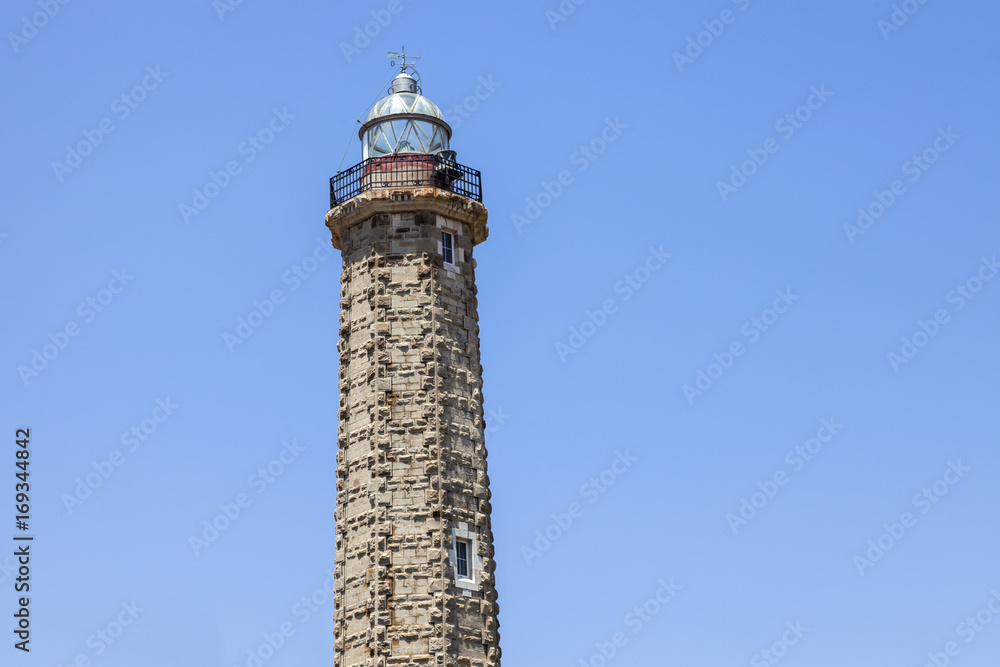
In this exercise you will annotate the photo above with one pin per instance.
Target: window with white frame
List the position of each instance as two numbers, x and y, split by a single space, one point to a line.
448 247
466 562
462 559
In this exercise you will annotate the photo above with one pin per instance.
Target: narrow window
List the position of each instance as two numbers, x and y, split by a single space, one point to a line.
462 559
448 247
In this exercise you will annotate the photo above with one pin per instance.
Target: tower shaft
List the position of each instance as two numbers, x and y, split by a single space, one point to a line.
414 563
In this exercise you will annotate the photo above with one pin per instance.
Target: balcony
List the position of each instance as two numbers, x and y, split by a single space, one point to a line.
406 170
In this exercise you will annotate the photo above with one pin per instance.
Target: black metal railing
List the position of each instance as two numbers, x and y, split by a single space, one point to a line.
406 170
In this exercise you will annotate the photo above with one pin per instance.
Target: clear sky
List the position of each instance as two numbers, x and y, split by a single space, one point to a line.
739 311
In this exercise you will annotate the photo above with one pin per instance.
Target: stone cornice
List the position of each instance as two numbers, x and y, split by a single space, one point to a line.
403 200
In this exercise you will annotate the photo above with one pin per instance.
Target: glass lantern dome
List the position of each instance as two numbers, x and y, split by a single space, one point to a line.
404 122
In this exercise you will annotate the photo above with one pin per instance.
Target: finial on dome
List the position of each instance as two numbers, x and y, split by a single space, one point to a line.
401 56
404 82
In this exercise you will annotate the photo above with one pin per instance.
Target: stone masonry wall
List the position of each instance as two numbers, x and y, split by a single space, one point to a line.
411 461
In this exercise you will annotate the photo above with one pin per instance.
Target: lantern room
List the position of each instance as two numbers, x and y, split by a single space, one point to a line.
404 122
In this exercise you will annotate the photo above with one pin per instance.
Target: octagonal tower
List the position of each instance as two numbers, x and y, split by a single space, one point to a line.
414 562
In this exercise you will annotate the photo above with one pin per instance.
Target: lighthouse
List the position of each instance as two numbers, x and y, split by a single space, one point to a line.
414 545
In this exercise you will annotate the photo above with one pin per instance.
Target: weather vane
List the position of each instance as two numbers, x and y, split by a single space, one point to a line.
402 56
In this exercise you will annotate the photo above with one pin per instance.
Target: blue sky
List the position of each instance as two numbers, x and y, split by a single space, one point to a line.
738 312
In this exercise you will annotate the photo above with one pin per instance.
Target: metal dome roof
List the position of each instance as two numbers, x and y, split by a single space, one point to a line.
407 103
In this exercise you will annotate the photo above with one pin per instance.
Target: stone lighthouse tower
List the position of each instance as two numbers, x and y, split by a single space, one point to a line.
414 562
